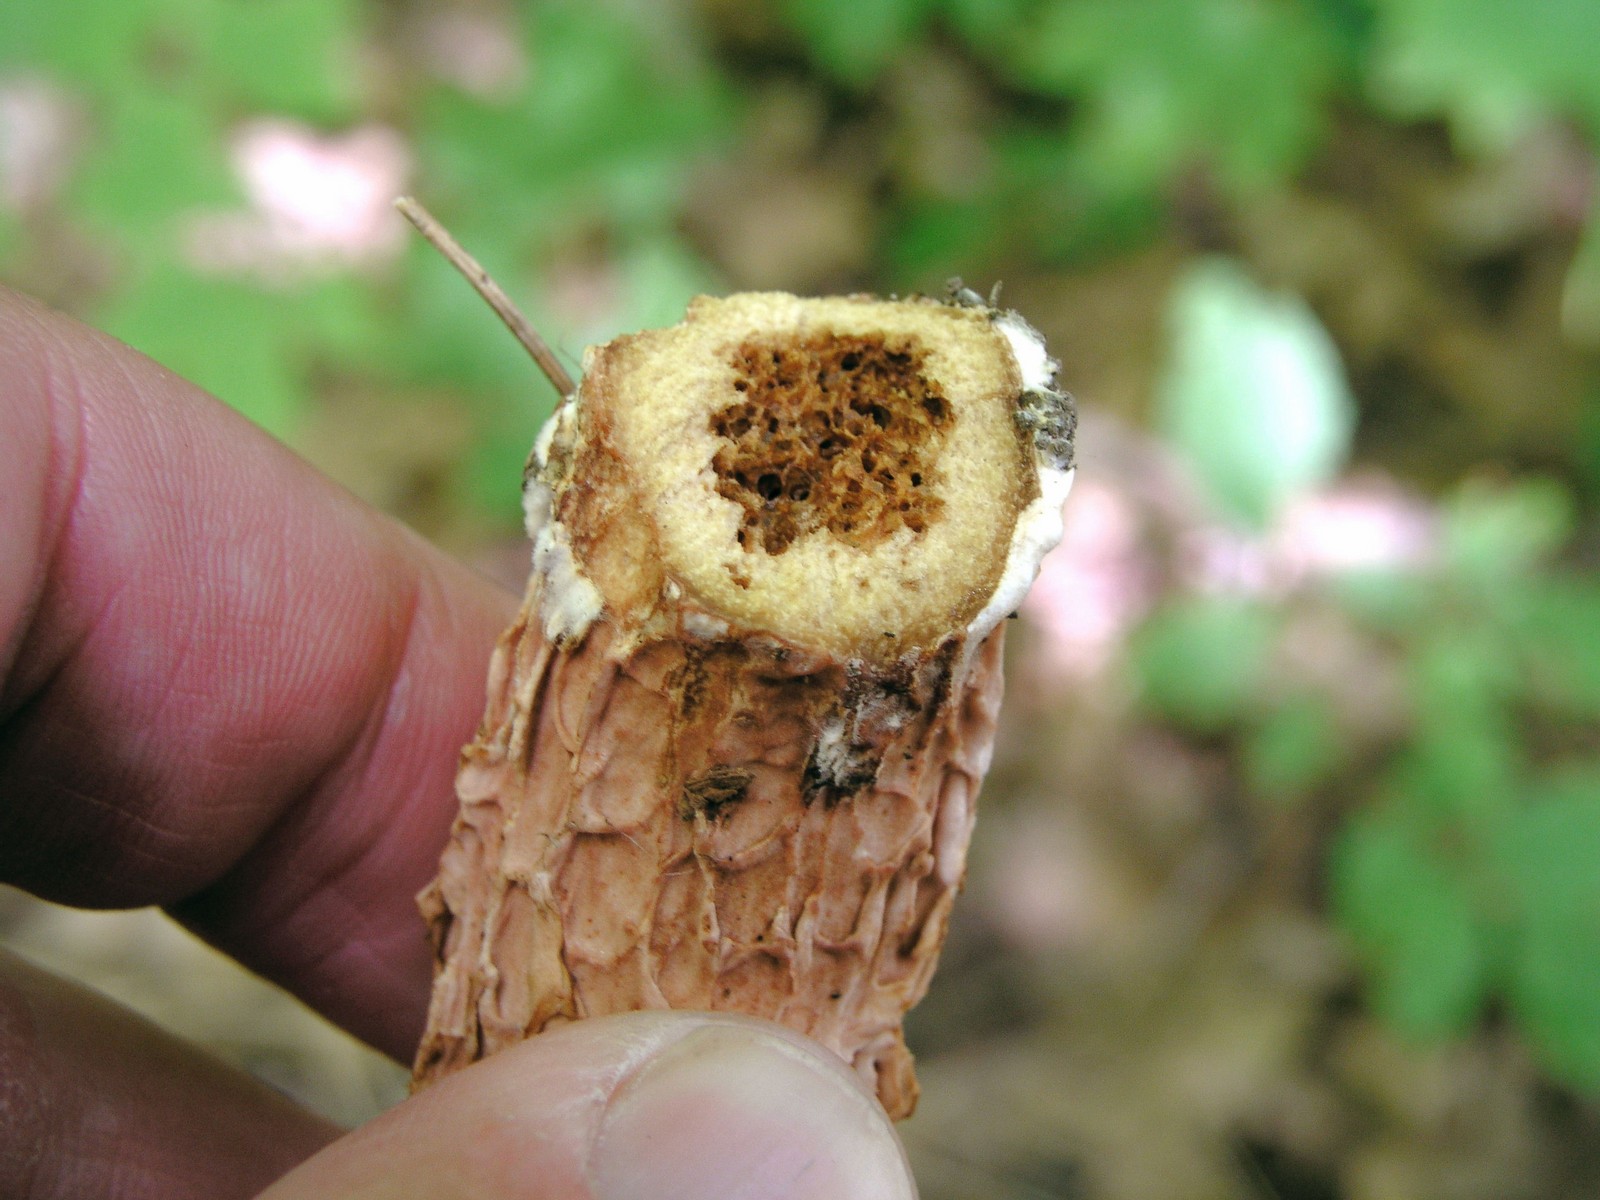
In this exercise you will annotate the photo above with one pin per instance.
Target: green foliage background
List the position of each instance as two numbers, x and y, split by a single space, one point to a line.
1090 135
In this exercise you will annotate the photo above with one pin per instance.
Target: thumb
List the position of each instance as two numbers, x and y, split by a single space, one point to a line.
669 1106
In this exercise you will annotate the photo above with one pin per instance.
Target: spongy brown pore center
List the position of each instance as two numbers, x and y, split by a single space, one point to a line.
833 432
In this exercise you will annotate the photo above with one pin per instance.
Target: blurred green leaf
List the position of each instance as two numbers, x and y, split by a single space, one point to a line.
1253 391
1556 623
225 336
1580 299
1409 911
289 57
85 42
1390 601
1459 675
986 24
1200 662
1463 787
1064 207
608 85
1549 857
943 237
1461 768
1350 23
856 39
1491 66
1034 199
660 274
156 156
1494 534
339 320
615 107
490 478
1236 84
1589 437
1294 747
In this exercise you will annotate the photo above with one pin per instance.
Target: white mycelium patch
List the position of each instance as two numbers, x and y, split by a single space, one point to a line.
1039 526
570 603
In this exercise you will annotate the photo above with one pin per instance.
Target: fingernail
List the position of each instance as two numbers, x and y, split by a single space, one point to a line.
729 1113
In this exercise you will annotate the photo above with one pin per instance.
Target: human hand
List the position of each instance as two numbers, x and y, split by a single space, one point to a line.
231 689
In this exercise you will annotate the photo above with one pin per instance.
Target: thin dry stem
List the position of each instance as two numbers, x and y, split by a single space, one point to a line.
428 226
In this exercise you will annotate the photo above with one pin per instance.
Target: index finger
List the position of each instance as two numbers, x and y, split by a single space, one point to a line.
226 685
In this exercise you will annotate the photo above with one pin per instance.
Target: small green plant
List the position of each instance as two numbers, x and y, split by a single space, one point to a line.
1472 873
1468 871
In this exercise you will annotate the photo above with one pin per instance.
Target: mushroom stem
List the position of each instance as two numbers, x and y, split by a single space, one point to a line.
735 737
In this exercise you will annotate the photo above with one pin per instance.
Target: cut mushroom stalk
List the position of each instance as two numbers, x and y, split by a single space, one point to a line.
735 736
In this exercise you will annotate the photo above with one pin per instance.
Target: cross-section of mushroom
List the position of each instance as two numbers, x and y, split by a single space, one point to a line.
734 739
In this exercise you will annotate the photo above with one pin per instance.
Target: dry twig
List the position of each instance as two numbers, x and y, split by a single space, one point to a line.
428 226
